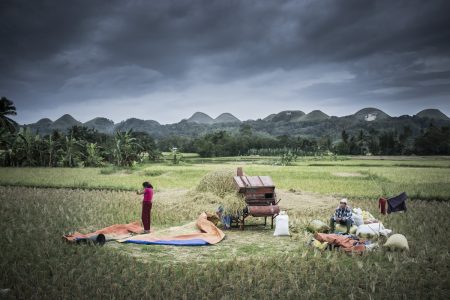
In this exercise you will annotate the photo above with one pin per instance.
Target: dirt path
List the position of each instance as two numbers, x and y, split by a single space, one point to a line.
298 201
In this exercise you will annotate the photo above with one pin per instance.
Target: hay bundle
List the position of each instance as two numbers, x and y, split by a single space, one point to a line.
233 204
221 183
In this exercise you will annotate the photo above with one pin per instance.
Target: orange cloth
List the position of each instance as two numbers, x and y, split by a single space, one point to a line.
117 231
207 232
346 243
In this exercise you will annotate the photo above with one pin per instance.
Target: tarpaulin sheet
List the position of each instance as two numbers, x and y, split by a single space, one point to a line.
346 243
113 232
207 234
190 242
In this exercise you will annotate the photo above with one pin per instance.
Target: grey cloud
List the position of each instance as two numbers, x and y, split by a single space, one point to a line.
57 52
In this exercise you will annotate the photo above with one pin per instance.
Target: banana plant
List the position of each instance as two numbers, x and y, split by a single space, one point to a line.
25 146
92 158
126 149
7 140
50 146
70 152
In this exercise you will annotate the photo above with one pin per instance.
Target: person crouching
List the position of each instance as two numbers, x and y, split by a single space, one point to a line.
342 215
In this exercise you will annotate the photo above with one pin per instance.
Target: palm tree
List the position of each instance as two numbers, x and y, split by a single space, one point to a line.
7 108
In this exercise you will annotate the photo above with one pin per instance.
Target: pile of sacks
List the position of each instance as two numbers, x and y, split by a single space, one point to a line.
365 229
367 226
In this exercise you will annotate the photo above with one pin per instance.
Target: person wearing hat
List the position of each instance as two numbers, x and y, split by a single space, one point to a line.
342 215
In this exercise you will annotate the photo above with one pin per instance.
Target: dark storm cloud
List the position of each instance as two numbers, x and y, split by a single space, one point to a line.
377 53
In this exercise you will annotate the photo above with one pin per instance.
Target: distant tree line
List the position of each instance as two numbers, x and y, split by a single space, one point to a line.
432 141
81 146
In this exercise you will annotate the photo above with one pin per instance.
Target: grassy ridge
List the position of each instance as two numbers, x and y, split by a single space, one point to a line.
35 263
421 179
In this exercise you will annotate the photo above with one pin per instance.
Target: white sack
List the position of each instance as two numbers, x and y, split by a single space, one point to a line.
281 225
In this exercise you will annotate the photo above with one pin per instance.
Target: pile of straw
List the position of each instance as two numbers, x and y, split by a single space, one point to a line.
221 184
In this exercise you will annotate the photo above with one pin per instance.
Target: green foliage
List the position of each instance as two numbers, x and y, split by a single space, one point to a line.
93 157
153 173
109 170
287 158
70 152
25 146
83 146
435 141
80 146
7 109
125 149
176 156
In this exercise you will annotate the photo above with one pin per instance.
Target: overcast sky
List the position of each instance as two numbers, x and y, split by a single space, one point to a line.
165 60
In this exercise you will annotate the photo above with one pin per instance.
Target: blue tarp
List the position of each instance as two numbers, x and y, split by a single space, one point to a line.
193 242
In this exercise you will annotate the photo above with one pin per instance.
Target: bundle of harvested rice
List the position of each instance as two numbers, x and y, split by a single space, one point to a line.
219 182
202 198
233 204
317 226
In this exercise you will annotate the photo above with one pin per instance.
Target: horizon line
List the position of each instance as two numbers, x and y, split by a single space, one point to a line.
261 118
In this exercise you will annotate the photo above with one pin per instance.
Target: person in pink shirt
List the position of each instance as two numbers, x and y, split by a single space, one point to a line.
146 205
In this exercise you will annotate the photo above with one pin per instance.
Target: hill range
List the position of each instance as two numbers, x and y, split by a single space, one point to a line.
291 122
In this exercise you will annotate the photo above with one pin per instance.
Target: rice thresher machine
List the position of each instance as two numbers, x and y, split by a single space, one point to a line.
259 195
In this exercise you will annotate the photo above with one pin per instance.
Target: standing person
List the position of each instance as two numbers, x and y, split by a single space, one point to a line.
146 205
342 215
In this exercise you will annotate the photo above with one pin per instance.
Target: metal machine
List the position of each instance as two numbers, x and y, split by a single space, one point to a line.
260 197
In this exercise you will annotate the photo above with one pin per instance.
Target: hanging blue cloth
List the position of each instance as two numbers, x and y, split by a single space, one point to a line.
397 203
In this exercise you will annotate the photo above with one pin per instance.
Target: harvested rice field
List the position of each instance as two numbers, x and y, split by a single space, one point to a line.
38 206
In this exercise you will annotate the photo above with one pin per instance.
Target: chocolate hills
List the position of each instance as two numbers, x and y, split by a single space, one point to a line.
291 122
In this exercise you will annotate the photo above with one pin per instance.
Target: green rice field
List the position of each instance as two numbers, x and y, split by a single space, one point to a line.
39 205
